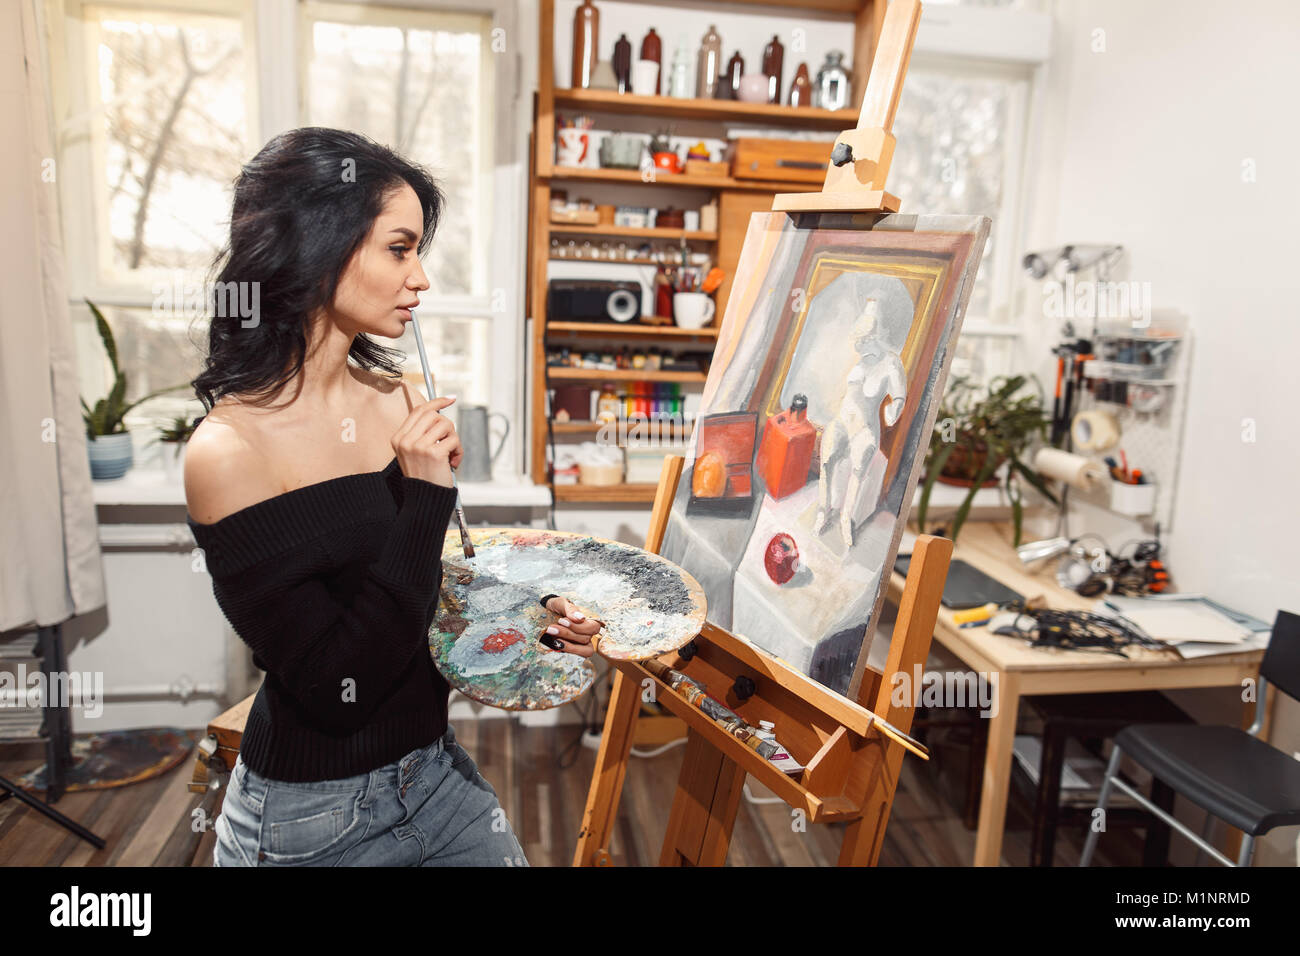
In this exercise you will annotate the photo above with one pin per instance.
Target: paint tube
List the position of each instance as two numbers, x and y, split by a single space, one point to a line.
782 759
696 696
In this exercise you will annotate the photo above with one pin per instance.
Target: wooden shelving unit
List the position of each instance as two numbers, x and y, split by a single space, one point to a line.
638 330
597 375
635 232
737 199
730 111
677 180
589 428
608 494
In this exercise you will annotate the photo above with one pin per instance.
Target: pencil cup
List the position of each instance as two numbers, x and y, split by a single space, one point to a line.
1132 500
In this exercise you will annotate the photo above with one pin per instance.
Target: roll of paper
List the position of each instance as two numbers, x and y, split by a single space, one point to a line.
1094 430
1074 470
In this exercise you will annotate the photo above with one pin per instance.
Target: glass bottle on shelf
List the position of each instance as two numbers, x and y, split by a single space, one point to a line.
773 59
622 64
679 80
652 49
586 28
729 85
709 65
801 87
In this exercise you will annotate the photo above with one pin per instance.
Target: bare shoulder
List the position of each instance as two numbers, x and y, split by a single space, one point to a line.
224 471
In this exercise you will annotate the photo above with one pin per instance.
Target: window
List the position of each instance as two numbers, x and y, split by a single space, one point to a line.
961 131
159 104
168 128
155 110
422 83
953 131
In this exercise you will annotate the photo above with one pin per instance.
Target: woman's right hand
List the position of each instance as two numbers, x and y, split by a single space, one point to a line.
427 445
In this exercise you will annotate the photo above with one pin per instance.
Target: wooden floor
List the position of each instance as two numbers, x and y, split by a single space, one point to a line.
542 776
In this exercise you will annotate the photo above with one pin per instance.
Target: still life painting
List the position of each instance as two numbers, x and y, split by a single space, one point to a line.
813 426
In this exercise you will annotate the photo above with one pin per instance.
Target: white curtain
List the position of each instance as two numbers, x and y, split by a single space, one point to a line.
50 566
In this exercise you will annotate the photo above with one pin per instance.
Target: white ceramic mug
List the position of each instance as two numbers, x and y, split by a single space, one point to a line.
645 78
692 310
691 220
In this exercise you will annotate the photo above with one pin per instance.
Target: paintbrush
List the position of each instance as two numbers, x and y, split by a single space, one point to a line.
896 735
428 387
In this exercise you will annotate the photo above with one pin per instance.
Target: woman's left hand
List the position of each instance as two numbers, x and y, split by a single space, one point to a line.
575 632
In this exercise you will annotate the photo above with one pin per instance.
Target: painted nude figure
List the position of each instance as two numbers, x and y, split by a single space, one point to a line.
852 437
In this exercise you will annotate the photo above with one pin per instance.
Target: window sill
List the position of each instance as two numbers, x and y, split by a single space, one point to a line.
154 486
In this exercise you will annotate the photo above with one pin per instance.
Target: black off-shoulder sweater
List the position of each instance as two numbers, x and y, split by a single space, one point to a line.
334 586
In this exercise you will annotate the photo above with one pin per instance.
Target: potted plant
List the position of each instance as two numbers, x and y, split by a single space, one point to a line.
108 441
978 432
174 435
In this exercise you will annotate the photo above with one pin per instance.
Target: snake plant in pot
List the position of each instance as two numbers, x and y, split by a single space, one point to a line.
172 436
108 441
976 432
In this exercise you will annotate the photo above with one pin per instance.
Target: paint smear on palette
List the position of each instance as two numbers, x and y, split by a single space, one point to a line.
484 639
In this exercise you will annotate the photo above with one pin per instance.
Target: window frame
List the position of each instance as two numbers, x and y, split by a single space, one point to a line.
275 105
1012 44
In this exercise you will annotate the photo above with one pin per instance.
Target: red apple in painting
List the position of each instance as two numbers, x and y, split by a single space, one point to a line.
781 559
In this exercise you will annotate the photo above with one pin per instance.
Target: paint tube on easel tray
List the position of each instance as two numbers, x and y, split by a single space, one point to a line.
728 720
782 759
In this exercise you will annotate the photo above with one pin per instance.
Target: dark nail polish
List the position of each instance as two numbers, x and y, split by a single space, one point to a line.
554 643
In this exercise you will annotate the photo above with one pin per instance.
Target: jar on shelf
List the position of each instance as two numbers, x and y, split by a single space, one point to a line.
607 404
831 91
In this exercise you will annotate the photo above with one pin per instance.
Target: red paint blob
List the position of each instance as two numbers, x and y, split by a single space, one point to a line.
498 642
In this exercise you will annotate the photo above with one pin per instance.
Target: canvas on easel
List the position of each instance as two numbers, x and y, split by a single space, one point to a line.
813 427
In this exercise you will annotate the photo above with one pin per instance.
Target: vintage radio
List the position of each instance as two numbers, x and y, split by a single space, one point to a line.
591 300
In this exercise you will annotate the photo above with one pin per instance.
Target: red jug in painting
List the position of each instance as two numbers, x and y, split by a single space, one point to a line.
786 452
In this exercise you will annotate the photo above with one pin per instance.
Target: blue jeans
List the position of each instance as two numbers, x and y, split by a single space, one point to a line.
431 808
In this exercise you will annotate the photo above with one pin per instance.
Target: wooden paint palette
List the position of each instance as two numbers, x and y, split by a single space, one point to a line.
484 637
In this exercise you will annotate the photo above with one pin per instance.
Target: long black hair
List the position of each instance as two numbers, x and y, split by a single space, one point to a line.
303 205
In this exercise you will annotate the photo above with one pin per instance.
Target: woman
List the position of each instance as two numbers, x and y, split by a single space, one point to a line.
320 487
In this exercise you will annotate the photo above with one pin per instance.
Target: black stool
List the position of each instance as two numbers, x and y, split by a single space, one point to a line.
1094 718
1230 773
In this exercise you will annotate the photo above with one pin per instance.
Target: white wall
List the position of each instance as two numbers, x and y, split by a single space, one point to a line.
1145 144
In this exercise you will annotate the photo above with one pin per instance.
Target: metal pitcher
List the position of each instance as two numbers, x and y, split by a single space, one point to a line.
475 436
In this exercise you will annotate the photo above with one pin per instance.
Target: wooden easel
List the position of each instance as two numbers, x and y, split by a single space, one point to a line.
851 768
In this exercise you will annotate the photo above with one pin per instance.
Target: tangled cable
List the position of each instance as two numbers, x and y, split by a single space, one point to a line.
1076 630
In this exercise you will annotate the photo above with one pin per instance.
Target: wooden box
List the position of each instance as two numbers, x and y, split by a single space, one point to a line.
575 217
730 436
785 160
702 167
